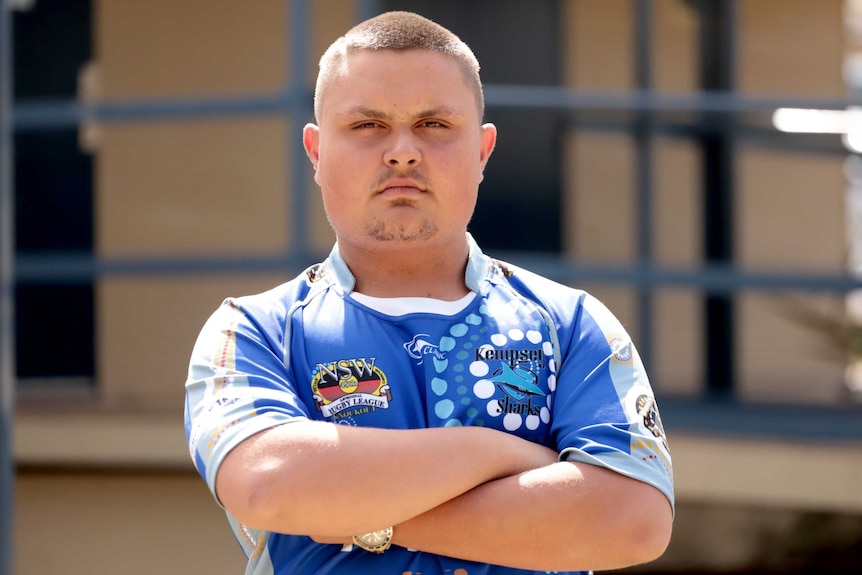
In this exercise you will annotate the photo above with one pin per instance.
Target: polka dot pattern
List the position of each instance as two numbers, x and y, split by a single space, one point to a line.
496 373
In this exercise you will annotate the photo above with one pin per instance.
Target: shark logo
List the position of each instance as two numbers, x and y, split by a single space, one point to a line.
419 347
518 383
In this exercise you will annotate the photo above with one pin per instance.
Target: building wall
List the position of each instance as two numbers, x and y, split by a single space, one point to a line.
788 206
108 482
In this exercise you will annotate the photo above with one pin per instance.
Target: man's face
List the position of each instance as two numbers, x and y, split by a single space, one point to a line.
399 150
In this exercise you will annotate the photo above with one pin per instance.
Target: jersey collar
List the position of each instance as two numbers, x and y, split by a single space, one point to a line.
478 267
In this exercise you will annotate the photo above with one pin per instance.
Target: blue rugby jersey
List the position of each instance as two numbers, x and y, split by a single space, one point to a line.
523 354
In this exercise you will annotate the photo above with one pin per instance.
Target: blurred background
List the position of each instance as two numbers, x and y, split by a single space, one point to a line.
693 163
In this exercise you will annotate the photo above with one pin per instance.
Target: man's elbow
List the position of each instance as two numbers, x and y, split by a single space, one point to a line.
269 500
636 532
249 499
633 540
647 533
652 540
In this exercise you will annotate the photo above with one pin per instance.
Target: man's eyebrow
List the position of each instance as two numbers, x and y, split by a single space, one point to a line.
373 114
365 113
439 112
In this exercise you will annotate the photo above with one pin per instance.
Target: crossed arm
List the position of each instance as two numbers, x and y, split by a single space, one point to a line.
467 492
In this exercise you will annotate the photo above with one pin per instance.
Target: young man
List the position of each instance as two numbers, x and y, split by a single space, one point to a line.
411 405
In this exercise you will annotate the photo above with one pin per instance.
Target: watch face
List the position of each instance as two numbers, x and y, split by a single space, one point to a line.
374 538
376 541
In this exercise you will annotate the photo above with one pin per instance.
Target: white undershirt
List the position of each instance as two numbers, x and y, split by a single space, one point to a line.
405 305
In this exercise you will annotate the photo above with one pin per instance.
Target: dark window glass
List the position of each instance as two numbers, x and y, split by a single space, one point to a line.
54 329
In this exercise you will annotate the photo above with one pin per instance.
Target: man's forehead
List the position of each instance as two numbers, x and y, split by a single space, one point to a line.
370 83
349 66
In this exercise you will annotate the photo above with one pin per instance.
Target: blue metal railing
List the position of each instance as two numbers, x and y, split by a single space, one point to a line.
716 279
55 114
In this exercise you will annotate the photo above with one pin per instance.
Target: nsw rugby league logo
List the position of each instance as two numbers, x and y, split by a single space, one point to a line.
349 386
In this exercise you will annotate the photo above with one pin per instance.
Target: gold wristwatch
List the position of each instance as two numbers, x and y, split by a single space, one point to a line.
376 541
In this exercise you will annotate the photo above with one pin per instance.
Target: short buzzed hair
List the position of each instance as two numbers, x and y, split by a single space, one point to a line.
398 31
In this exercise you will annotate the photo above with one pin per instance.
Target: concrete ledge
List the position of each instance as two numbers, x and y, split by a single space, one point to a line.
101 439
814 475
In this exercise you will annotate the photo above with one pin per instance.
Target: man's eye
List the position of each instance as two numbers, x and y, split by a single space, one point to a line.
366 125
433 124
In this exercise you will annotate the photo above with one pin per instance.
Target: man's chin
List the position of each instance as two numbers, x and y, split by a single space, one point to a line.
419 233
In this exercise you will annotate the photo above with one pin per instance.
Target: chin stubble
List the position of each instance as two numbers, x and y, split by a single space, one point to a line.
382 231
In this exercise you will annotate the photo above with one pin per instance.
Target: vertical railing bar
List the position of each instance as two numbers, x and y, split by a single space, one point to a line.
7 295
717 22
644 168
299 22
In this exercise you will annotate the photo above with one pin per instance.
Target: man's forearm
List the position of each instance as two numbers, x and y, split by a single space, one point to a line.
561 517
320 478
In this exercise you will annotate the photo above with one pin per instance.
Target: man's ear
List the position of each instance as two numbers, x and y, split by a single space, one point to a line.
311 143
488 139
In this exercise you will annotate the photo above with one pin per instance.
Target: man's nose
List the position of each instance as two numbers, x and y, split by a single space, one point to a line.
403 150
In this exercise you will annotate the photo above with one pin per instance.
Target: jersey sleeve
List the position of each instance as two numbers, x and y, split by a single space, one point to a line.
237 384
604 411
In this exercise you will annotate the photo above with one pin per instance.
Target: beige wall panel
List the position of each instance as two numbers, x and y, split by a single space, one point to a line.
789 216
790 46
72 524
781 360
193 187
790 211
677 203
162 48
599 203
678 354
147 327
597 44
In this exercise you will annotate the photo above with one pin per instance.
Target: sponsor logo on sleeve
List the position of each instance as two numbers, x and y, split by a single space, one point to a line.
621 350
648 410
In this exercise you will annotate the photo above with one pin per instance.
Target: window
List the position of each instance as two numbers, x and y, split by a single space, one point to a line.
53 196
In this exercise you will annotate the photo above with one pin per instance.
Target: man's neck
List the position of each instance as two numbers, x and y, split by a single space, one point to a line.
427 271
